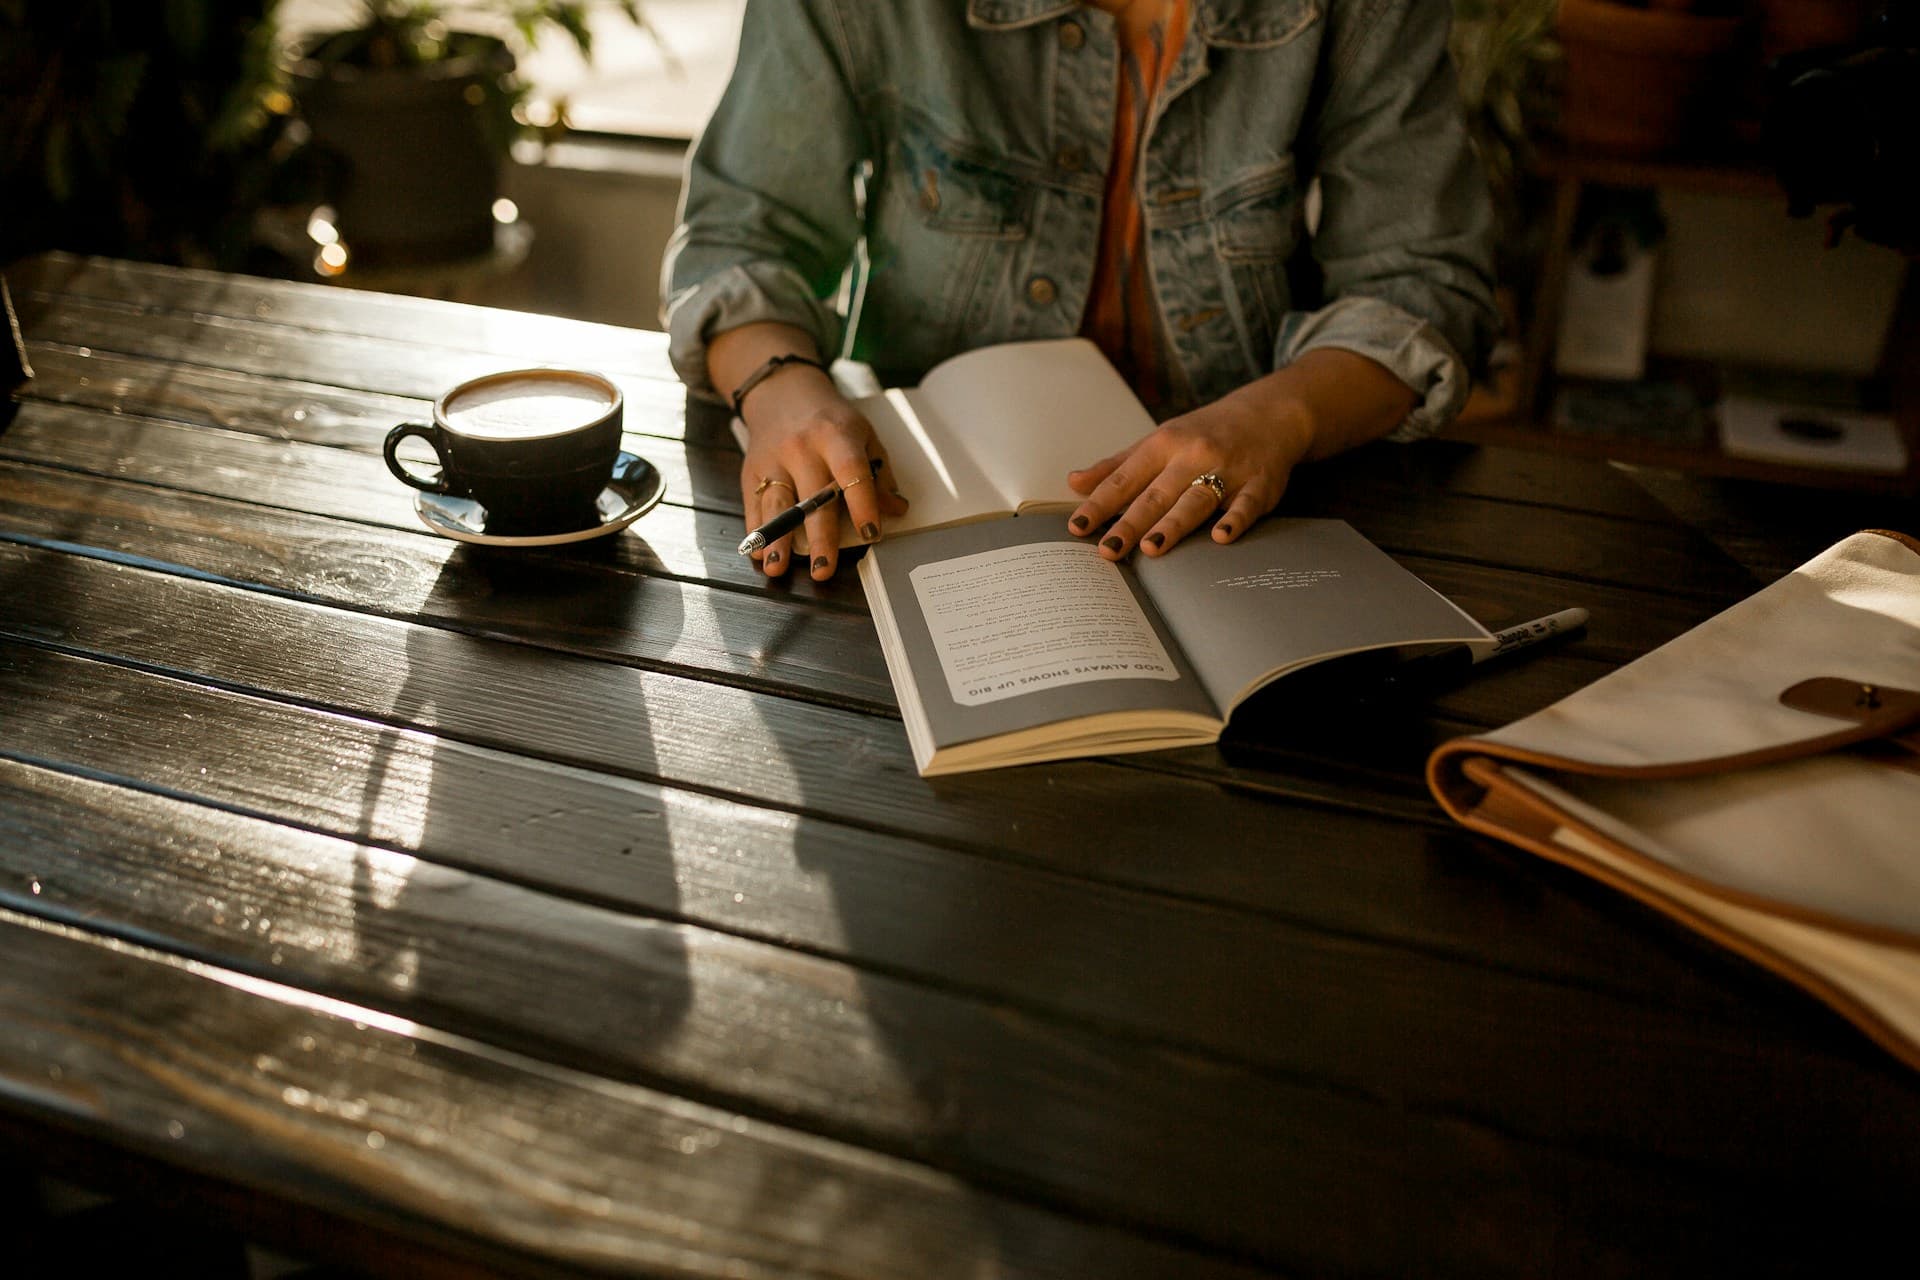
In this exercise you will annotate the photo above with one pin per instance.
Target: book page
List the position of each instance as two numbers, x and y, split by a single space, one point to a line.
942 483
969 616
996 429
1288 593
1029 412
1014 620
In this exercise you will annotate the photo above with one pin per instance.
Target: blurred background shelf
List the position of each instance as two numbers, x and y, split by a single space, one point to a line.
1770 293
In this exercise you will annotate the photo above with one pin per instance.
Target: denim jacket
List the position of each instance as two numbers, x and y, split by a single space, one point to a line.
958 147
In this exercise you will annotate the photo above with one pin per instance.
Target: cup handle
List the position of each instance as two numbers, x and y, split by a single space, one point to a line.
427 433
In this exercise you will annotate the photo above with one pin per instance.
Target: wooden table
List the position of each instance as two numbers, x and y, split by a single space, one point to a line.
439 909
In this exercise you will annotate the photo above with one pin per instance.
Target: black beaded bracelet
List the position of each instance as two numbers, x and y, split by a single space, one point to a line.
766 371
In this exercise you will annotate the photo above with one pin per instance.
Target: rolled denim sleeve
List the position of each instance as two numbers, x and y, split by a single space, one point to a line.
768 221
1405 237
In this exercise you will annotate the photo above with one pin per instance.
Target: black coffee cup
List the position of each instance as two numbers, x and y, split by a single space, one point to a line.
532 446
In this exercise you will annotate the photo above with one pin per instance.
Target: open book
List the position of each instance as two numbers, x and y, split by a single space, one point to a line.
1011 641
1757 779
994 431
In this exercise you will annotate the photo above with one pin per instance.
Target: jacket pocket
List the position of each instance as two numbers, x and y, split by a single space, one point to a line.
949 220
958 190
1260 26
1257 218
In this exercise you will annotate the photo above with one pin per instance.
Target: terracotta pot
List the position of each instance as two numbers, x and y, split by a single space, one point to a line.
1644 81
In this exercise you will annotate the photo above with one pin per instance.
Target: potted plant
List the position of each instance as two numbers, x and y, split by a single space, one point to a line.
1506 59
1649 76
413 111
137 131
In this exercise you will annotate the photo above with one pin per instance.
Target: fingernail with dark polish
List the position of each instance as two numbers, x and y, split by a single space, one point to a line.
819 564
1079 523
1155 539
870 531
1225 528
1113 543
773 558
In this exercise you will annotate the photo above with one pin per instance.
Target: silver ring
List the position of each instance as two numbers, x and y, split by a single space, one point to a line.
1211 480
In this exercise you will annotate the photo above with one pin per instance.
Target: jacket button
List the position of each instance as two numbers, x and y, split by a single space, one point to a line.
1072 35
1071 158
1040 291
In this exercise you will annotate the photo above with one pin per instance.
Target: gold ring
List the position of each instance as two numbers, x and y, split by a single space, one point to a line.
767 482
1211 480
849 484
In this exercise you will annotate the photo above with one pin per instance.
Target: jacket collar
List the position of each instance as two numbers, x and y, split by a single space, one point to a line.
1237 23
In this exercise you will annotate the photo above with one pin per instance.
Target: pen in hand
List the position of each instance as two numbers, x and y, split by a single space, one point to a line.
793 517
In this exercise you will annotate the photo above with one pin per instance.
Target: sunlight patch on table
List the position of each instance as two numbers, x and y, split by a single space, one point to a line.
746 868
694 731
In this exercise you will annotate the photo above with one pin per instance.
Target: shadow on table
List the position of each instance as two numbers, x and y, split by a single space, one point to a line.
525 945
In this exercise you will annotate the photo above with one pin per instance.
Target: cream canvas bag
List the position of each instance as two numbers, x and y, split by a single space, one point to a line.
1757 778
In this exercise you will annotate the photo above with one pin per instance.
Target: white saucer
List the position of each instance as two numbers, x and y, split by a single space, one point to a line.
634 489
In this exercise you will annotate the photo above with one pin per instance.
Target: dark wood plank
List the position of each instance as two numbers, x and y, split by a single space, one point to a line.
1535 477
1625 623
163 452
1088 1124
564 599
738 869
695 545
1422 887
589 603
283 408
418 369
628 720
486 1154
63 279
1774 528
1572 545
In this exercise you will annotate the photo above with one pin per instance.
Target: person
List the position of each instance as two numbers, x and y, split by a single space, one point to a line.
1137 171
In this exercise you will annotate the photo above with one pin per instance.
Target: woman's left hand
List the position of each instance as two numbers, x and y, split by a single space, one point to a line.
1154 485
1327 400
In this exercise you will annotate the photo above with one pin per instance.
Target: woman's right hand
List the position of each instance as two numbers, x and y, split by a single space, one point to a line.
803 435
